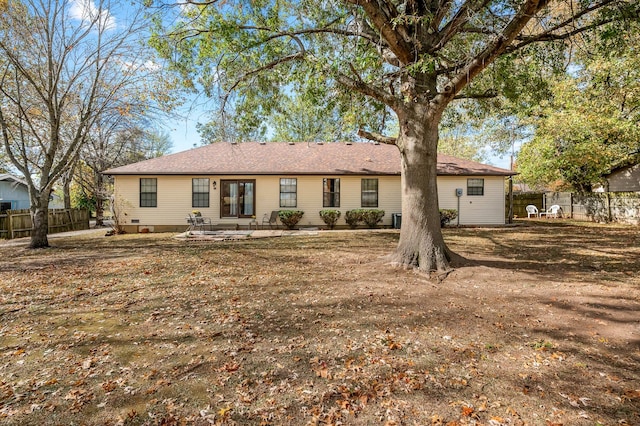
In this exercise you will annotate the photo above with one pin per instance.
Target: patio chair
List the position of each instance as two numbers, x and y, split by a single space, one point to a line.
202 222
191 220
554 211
198 222
532 210
270 220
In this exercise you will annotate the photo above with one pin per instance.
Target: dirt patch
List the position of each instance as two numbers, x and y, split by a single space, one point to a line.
538 326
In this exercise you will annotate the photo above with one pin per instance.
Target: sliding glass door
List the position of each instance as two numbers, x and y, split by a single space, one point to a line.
237 198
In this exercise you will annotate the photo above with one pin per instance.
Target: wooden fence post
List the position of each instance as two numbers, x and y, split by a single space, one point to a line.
10 224
571 205
73 228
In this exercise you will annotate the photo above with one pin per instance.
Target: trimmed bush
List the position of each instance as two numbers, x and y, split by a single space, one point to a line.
353 217
330 217
372 217
447 215
290 218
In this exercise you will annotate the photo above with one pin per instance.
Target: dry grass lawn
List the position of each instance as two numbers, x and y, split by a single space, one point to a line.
539 325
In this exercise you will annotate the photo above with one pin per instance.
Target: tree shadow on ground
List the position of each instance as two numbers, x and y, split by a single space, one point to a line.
552 252
292 330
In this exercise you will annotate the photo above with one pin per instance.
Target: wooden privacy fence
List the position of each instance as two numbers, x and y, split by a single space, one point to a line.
521 201
17 223
623 207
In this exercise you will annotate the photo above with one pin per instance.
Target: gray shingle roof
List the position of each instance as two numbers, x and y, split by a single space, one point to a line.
279 158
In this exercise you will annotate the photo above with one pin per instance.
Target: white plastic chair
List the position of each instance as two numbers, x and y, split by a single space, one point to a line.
532 210
554 211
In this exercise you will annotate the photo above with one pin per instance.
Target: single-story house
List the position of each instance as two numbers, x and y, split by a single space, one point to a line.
14 194
235 184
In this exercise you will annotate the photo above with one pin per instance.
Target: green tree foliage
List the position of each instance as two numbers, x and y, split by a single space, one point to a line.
304 119
232 126
590 125
4 161
459 137
412 57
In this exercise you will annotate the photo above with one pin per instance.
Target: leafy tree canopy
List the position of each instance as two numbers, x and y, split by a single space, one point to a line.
592 122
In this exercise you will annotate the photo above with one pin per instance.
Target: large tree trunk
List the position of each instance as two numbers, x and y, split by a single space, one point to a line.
99 211
421 243
40 219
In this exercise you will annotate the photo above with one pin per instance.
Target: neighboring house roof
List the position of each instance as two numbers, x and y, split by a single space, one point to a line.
11 178
631 160
279 158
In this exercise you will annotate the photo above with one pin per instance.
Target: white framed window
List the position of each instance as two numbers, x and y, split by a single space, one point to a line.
369 193
148 192
475 186
200 192
288 192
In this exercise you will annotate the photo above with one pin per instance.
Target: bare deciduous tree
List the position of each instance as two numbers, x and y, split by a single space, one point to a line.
62 64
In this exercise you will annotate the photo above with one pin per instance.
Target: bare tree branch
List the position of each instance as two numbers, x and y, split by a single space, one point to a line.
456 23
444 6
367 89
370 37
383 15
198 3
495 48
376 137
270 65
574 18
489 94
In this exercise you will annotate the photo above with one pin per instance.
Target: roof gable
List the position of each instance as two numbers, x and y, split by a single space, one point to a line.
279 158
632 162
6 177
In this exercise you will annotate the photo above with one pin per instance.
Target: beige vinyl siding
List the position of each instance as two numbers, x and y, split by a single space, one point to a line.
487 209
310 196
625 180
174 199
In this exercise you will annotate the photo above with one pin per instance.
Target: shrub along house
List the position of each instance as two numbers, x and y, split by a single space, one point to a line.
234 184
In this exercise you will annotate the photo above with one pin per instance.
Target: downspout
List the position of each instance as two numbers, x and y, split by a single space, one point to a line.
511 199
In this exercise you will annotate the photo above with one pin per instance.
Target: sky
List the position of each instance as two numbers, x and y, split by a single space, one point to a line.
183 134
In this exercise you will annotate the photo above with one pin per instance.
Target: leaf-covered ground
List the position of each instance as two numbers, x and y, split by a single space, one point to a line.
538 326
